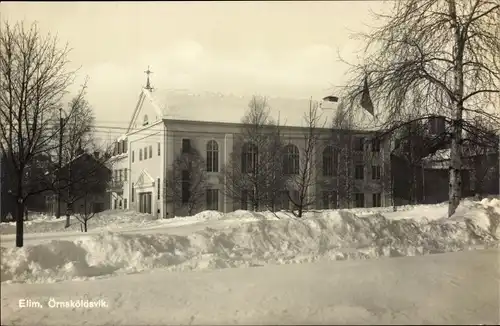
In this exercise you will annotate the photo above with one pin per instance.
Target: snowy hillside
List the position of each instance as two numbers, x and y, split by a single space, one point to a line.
135 243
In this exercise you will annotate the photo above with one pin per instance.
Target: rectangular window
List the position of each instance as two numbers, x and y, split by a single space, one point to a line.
327 166
377 200
295 196
124 174
159 149
185 191
140 154
212 161
213 199
133 156
247 199
329 199
359 144
132 197
244 199
125 146
125 203
359 200
436 125
330 163
359 173
248 162
186 146
158 189
376 172
285 200
375 145
146 153
150 151
120 175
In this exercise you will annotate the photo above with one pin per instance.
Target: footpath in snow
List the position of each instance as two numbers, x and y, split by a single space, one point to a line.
451 288
118 244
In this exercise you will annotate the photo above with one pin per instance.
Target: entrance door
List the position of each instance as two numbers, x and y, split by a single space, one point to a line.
145 202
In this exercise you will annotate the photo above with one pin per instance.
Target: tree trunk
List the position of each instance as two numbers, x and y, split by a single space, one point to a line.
393 192
67 220
19 212
455 185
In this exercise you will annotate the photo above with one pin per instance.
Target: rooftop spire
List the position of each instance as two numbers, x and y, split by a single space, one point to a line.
148 84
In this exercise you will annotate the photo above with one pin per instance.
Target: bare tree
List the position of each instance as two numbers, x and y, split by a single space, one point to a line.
253 174
429 57
85 178
302 179
187 182
343 135
33 79
77 138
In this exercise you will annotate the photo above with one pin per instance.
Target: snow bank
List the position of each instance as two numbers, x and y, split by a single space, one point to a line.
330 235
107 220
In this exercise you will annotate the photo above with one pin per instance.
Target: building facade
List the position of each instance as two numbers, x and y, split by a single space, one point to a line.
165 123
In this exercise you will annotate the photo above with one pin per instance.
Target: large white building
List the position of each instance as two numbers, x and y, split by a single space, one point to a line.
165 121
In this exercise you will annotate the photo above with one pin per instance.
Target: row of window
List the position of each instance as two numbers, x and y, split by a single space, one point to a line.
291 161
330 200
361 142
120 175
146 153
120 147
249 157
359 172
291 158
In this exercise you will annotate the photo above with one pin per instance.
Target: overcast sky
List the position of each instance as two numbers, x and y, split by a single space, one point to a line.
284 49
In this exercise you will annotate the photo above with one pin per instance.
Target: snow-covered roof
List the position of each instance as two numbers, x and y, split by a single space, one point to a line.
230 108
439 155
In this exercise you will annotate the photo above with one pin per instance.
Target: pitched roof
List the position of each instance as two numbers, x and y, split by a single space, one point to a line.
230 108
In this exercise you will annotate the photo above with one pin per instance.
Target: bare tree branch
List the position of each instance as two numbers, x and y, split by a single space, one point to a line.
432 57
33 81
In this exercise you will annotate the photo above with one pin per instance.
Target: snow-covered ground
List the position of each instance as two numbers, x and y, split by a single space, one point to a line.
123 243
210 240
452 288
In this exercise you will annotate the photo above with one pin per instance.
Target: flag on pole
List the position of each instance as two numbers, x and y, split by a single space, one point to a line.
366 101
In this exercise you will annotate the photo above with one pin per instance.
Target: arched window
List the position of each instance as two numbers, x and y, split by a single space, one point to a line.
249 155
145 121
330 161
212 156
291 160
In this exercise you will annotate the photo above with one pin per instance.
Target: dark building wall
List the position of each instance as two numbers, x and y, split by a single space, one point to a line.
35 203
436 185
428 186
407 181
487 176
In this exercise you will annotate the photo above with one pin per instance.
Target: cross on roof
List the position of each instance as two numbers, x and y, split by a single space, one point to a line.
148 84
